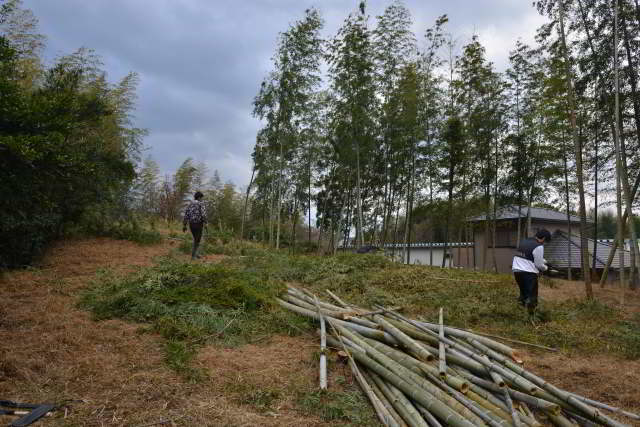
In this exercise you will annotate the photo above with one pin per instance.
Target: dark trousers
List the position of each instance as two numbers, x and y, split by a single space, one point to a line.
196 231
528 284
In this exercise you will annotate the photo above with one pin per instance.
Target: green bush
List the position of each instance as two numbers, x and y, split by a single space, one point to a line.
97 222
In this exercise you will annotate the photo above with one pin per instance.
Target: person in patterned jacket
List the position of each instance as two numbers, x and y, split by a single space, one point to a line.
196 216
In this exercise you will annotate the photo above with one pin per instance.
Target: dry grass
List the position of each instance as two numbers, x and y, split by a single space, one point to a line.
50 351
563 290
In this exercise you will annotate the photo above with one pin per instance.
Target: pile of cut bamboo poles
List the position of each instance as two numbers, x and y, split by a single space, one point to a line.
428 374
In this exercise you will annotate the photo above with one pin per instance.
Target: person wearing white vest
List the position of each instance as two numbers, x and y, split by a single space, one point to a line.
527 264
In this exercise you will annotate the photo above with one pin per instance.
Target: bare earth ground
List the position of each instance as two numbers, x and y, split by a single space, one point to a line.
51 351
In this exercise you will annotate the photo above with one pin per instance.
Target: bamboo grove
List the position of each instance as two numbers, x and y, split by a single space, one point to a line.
68 144
392 136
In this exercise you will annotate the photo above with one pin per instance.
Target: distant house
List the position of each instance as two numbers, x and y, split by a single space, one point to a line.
429 253
563 251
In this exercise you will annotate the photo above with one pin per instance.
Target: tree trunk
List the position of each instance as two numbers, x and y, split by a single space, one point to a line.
636 108
279 195
566 192
449 212
246 200
495 208
624 176
616 140
294 223
578 154
595 197
359 229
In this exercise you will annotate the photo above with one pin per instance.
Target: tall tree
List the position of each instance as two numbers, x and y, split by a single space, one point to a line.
352 81
284 98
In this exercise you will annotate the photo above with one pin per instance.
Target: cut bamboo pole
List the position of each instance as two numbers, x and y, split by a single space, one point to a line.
361 321
565 396
512 376
514 413
424 398
401 404
415 381
534 401
416 365
367 332
482 413
323 348
530 344
384 416
559 420
607 407
442 367
381 396
418 349
325 306
337 299
433 421
460 333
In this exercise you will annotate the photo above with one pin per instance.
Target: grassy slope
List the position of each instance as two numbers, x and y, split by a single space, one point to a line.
231 303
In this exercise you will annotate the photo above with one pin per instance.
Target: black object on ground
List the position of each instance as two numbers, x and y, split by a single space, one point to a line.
37 411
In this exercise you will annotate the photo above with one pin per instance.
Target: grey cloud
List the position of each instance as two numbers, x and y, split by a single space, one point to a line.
201 62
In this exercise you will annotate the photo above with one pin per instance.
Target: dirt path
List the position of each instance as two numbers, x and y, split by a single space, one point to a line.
51 351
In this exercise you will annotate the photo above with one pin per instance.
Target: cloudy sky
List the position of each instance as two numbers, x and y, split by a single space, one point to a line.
201 61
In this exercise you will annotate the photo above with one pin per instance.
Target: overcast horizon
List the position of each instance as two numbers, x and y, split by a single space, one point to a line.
201 63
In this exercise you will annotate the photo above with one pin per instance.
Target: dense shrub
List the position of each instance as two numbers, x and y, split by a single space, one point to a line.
65 145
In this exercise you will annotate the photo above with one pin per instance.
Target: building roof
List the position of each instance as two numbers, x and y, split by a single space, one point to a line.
558 254
543 214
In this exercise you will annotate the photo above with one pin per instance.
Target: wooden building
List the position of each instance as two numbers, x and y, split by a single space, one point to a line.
562 252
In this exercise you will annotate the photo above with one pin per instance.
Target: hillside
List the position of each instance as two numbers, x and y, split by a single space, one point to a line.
73 331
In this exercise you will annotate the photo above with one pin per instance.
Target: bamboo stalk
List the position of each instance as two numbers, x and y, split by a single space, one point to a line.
487 417
433 421
363 322
310 306
461 333
323 348
401 404
484 334
442 367
368 332
381 412
421 351
512 376
337 299
559 420
424 398
534 401
607 407
514 413
565 396
416 365
415 381
387 404
325 306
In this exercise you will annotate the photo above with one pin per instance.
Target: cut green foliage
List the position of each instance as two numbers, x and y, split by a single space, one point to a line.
192 304
213 244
